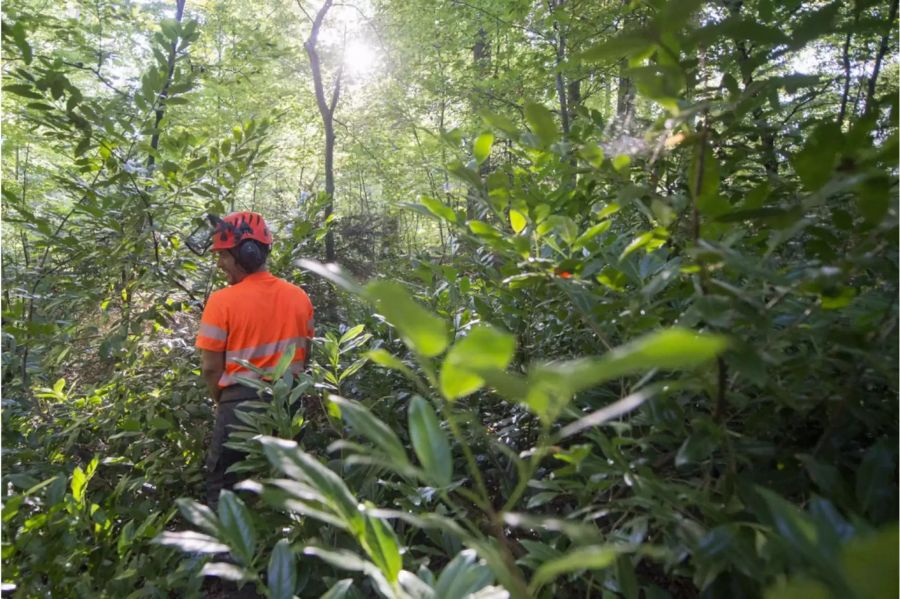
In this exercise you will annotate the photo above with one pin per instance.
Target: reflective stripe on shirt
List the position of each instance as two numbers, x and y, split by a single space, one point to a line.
267 349
213 332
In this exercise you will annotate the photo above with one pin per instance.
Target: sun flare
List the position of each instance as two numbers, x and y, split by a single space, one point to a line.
360 58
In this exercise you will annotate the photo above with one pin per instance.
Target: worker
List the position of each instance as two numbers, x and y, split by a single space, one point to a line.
256 318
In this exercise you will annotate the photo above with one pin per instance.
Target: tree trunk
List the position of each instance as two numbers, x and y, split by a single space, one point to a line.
326 110
561 91
481 60
882 50
765 132
163 94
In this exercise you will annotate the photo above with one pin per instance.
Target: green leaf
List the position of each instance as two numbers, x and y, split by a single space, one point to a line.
287 457
79 482
282 574
420 329
481 148
551 386
199 515
352 333
347 560
382 357
799 588
18 32
340 590
796 532
873 490
225 570
815 162
815 24
587 236
369 426
465 174
874 198
703 183
517 220
483 348
625 576
26 91
870 564
621 162
189 540
541 122
287 357
430 442
462 577
331 272
625 44
501 123
593 557
383 547
699 445
439 209
237 526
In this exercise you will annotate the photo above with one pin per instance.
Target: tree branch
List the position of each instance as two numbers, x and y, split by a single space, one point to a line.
882 50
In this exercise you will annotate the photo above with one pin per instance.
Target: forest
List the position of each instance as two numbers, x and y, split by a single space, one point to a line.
605 292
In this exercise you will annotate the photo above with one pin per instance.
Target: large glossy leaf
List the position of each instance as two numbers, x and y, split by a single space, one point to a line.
462 576
420 329
199 515
481 148
874 490
189 540
340 589
331 272
430 442
594 557
282 572
624 44
483 348
225 570
870 564
815 162
369 426
347 560
542 122
237 526
549 387
382 357
382 546
287 457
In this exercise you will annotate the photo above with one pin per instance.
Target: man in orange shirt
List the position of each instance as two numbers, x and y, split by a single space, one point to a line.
255 319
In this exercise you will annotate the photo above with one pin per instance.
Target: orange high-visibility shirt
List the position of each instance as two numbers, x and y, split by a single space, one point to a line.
256 320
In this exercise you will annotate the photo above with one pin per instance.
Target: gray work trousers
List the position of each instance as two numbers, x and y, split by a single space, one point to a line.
220 458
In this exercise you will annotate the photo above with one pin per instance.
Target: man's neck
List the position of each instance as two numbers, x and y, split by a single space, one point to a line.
243 275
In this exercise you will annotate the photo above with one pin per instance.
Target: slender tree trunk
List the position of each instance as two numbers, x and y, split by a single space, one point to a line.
481 61
882 50
561 91
161 102
326 110
160 113
765 132
845 59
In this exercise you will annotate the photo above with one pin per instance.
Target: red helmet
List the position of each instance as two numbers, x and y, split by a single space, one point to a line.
240 226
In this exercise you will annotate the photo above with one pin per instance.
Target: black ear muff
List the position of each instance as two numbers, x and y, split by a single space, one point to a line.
251 255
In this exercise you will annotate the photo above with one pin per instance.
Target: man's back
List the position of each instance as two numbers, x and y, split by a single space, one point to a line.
256 320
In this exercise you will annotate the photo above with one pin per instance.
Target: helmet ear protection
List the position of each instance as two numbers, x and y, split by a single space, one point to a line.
250 255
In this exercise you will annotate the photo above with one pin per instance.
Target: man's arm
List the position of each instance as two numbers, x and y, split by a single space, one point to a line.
212 366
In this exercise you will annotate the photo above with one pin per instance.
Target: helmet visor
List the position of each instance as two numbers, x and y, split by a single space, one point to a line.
201 238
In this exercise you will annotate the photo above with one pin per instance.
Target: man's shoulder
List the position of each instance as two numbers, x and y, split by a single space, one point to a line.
293 289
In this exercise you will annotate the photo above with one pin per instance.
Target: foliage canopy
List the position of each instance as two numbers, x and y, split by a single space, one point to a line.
616 310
